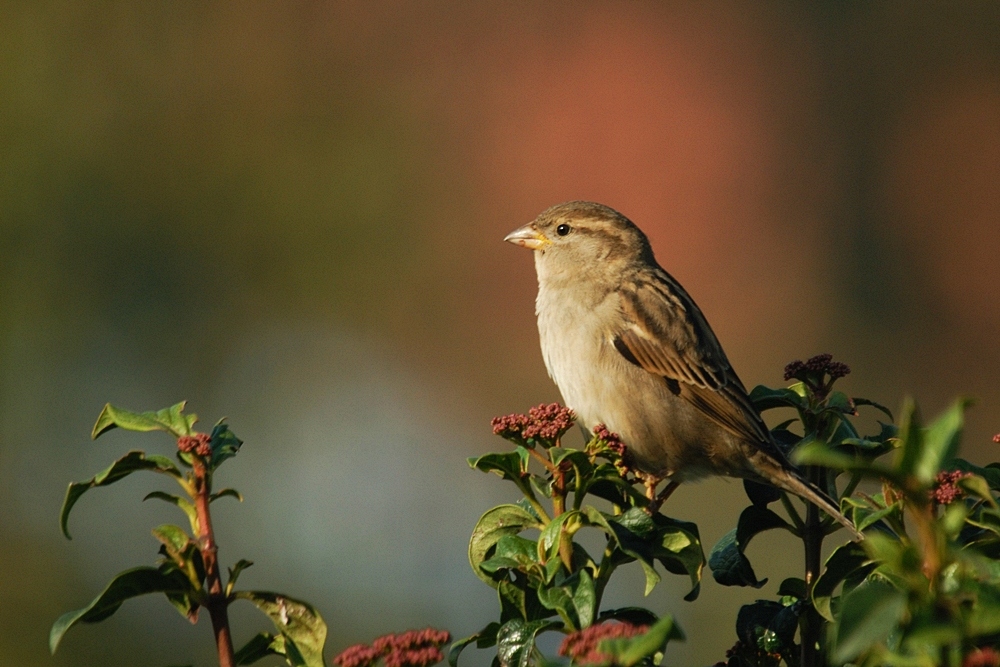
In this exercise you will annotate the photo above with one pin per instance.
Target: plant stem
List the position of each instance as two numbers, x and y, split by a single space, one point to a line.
810 623
217 602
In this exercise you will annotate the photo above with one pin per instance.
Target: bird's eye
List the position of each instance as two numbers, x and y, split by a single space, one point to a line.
563 229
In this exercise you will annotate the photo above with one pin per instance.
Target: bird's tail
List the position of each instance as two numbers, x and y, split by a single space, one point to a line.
794 483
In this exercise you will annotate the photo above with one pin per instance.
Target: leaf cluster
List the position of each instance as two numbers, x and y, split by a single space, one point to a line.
545 579
187 570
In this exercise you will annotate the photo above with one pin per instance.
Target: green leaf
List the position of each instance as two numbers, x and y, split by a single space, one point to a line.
755 520
260 646
301 626
792 587
574 600
633 650
878 406
234 573
506 464
761 494
864 513
755 621
512 552
516 641
849 559
123 467
633 615
232 493
924 451
485 638
990 474
224 444
173 538
172 420
984 618
765 398
128 584
678 548
867 615
491 527
729 566
182 503
818 453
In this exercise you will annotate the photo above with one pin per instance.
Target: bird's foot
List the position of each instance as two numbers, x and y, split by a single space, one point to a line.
650 482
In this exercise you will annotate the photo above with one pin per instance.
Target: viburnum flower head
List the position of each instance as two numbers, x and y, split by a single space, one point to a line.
543 425
946 489
414 648
198 444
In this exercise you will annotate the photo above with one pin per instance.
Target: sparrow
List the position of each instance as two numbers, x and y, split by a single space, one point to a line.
629 348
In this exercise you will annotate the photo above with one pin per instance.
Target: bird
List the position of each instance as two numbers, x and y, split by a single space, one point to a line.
629 348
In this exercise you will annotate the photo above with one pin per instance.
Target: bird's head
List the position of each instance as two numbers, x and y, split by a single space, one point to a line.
572 236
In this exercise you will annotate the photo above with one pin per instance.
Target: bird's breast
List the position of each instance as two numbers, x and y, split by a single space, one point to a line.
664 433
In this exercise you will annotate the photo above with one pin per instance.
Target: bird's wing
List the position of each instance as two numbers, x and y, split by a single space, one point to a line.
667 335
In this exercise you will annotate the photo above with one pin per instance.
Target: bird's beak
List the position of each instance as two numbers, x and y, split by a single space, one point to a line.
527 237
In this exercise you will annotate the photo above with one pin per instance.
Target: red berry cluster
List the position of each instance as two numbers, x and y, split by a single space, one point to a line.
982 657
946 489
415 648
583 646
613 441
195 444
996 438
544 424
816 367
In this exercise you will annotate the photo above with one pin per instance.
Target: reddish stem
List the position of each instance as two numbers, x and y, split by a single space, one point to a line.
217 602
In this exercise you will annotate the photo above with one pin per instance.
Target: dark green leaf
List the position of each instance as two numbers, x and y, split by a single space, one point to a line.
678 548
232 493
754 620
765 398
574 600
260 646
497 522
224 444
761 494
792 587
516 641
172 420
484 639
867 615
633 615
754 520
877 406
506 464
123 467
729 566
126 585
301 626
849 559
234 573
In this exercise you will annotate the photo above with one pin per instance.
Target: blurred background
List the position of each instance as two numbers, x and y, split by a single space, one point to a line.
291 214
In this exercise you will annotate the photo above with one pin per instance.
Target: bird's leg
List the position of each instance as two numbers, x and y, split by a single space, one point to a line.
654 505
650 482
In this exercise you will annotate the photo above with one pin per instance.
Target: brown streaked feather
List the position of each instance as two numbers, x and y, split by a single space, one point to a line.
668 336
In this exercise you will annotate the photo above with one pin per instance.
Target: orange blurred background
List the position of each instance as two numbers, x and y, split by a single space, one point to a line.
291 214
